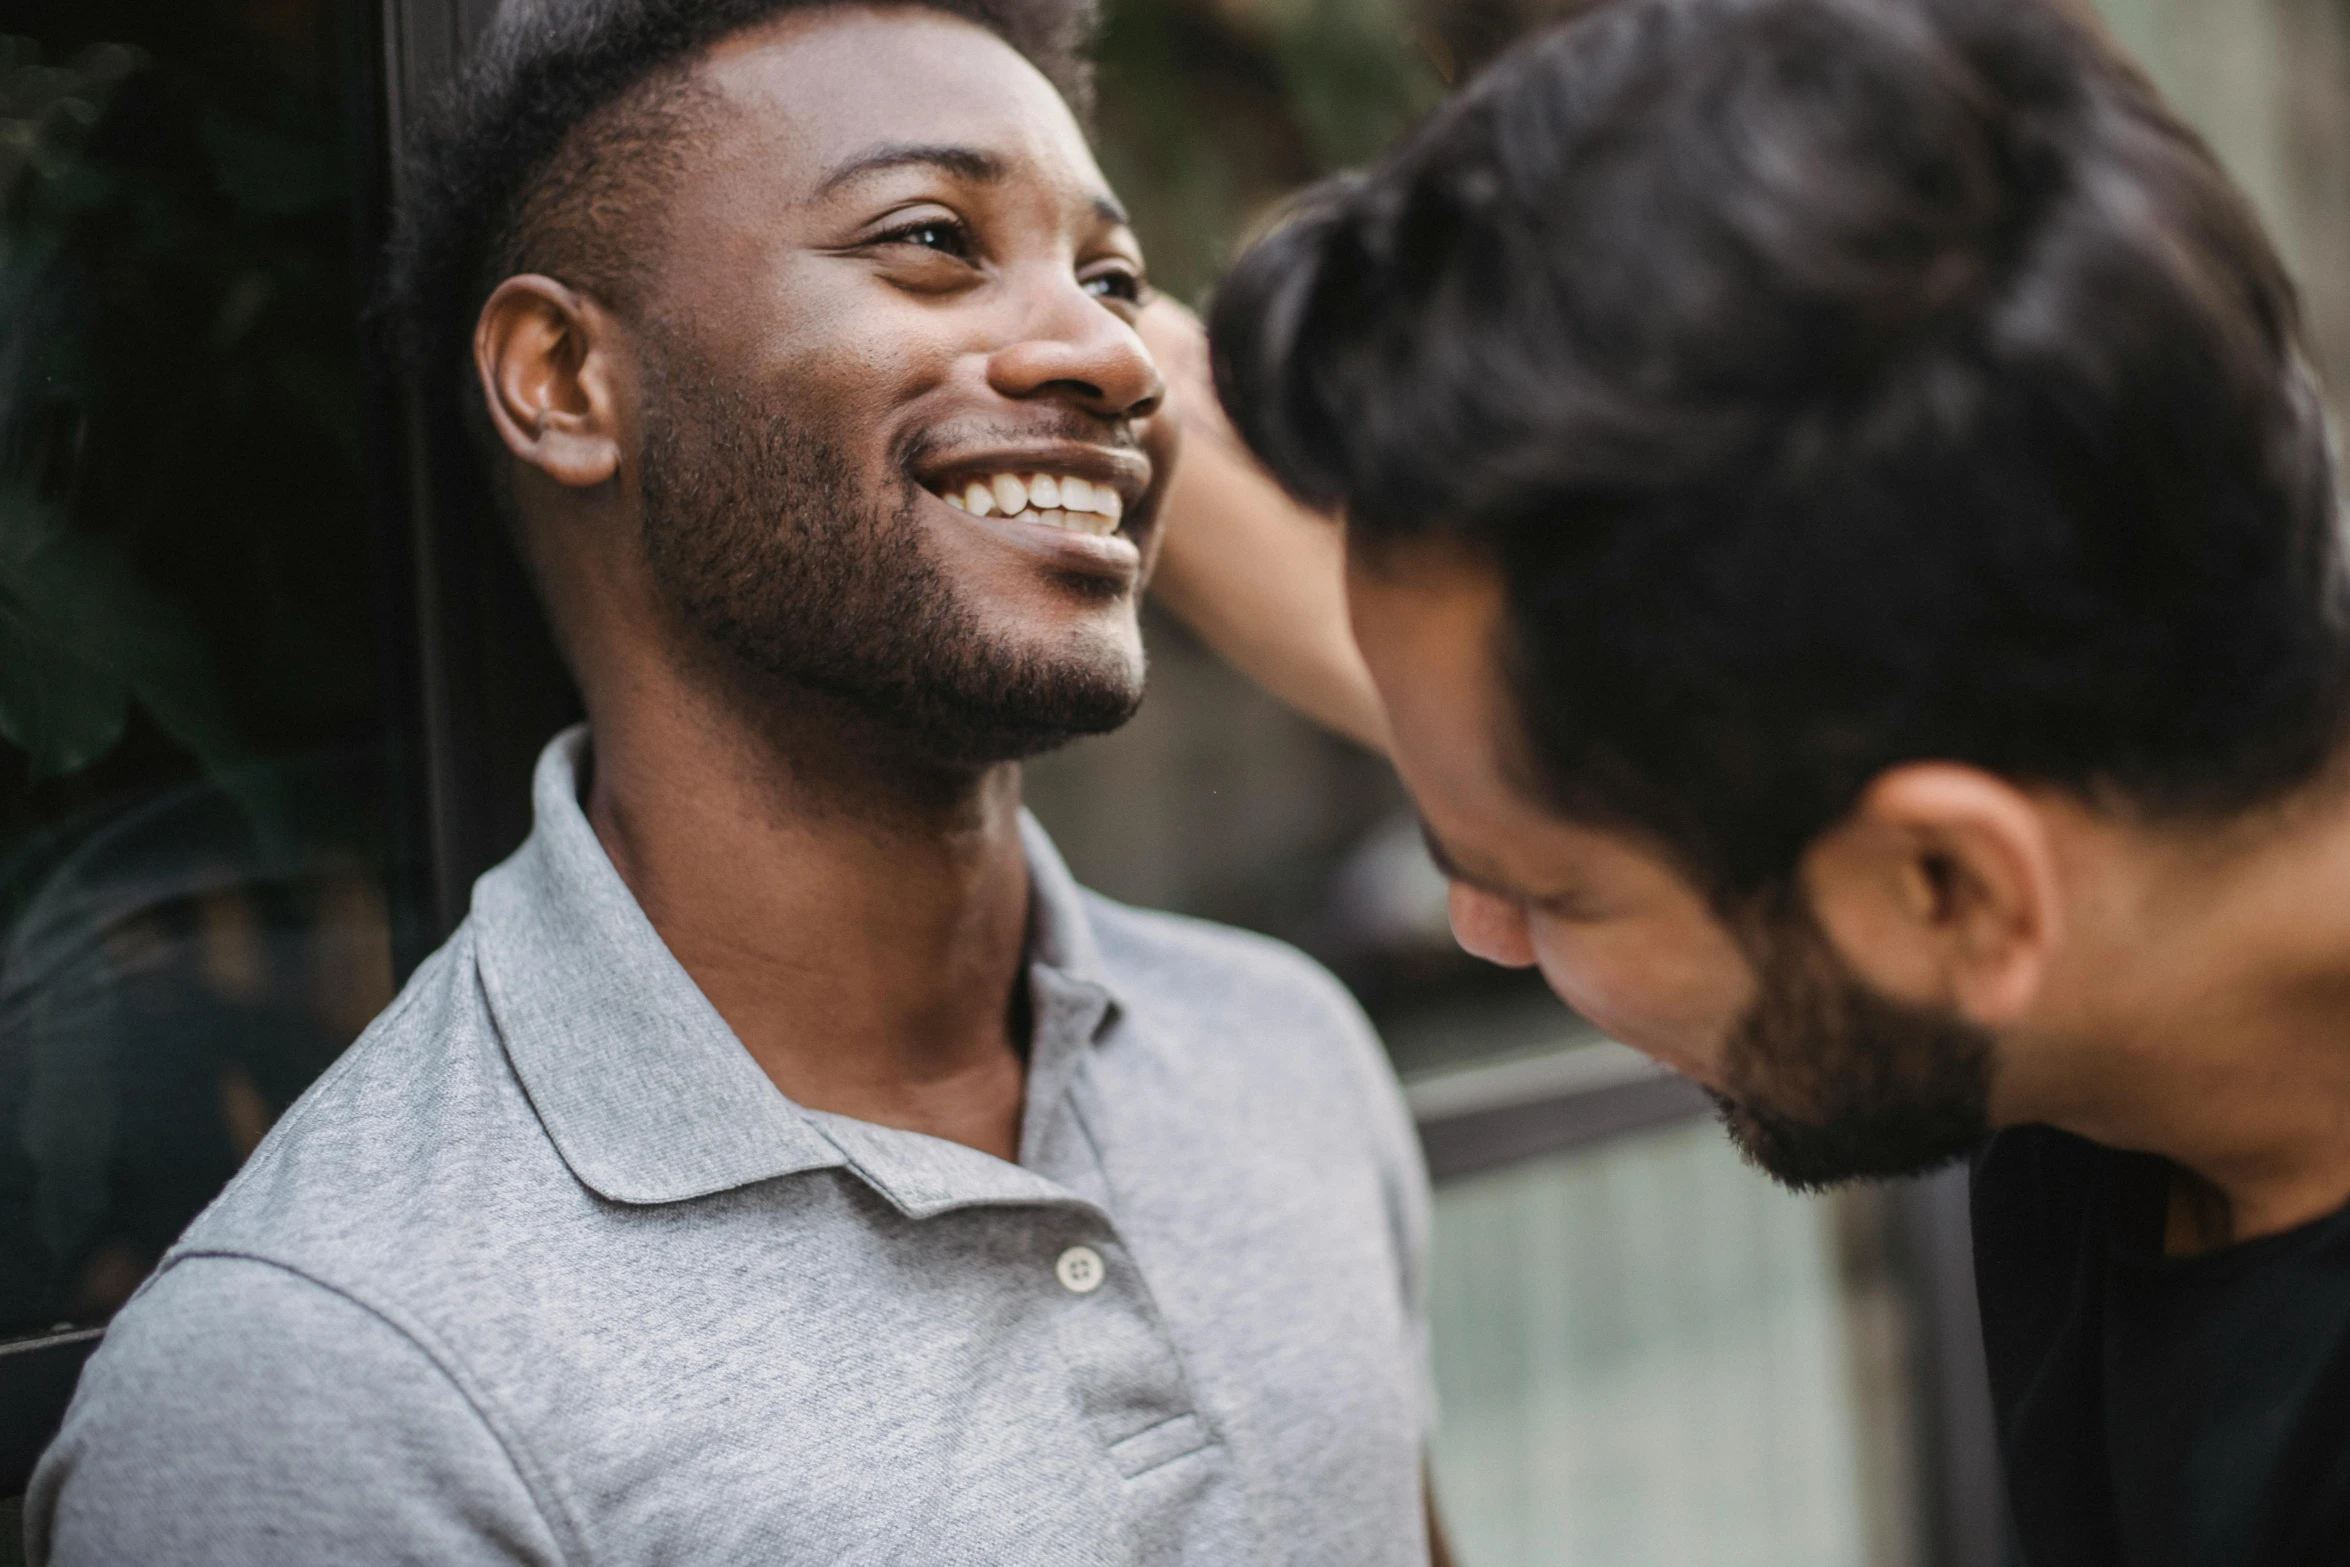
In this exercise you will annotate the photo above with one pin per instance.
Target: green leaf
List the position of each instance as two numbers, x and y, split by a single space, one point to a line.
65 713
80 637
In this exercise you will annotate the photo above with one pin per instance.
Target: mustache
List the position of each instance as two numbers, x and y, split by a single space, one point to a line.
1049 424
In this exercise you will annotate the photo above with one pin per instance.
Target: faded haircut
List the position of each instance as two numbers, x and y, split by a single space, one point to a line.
551 150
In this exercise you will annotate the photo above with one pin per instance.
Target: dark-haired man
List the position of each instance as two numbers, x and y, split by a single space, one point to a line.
786 1162
1845 532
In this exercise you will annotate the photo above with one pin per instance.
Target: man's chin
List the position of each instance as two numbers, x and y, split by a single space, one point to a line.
978 726
968 744
1882 1143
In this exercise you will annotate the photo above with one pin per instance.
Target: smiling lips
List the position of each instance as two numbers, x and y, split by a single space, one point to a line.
1056 500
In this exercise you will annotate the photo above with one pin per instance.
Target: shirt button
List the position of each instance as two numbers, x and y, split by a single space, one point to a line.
1080 1270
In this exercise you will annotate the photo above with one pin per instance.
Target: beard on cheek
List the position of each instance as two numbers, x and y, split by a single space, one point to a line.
1826 1080
759 535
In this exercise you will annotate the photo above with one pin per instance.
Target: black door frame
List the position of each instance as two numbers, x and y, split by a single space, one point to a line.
488 685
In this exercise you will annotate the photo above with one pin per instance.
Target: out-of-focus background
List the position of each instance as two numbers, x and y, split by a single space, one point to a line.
268 691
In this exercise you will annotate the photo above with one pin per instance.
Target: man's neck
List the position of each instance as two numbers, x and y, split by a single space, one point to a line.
859 919
2213 1021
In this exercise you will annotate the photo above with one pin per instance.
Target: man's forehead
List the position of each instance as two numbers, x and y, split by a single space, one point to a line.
852 90
1432 620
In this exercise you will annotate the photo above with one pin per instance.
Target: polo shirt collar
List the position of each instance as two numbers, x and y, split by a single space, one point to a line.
645 1091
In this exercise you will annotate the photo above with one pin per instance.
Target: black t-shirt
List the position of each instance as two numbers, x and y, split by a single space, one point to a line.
2159 1411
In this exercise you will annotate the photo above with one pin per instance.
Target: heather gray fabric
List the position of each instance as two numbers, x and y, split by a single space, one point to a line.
545 1270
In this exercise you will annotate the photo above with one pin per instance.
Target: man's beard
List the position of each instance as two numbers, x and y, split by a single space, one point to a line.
759 537
1826 1080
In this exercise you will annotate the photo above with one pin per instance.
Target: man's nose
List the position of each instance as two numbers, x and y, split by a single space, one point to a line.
1075 348
1490 928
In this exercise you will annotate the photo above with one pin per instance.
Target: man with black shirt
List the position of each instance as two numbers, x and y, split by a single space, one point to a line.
1844 528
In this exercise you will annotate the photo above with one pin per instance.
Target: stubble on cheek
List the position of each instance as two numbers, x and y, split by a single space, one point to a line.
1823 1080
777 546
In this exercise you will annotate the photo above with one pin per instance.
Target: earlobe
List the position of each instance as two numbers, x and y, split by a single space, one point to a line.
544 356
1941 889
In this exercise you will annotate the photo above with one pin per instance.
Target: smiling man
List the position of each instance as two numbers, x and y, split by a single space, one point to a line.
1842 521
785 1162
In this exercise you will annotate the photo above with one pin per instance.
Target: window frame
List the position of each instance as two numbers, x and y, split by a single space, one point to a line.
485 685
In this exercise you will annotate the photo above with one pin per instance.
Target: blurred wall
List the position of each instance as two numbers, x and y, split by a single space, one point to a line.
2268 84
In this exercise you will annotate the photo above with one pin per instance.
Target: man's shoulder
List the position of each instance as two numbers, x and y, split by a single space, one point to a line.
410 1140
297 1422
295 1335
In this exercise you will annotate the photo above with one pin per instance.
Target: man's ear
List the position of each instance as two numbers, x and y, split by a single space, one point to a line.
1941 889
545 356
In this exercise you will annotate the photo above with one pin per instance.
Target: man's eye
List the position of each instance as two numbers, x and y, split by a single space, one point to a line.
939 234
1115 285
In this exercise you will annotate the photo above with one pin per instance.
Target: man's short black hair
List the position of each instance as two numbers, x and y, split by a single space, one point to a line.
1837 383
550 151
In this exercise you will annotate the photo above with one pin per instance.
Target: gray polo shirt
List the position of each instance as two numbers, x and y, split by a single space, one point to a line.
545 1269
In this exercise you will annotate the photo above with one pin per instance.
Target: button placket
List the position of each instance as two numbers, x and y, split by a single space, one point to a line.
1125 1372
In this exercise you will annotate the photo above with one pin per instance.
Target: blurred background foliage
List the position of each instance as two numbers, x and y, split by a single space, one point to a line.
1212 110
193 899
180 431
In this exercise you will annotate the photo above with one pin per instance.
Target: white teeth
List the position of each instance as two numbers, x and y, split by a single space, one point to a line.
1059 500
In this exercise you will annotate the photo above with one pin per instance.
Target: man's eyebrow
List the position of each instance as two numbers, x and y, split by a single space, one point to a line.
969 163
1447 865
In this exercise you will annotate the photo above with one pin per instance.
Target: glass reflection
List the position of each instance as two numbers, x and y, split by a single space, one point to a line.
194 916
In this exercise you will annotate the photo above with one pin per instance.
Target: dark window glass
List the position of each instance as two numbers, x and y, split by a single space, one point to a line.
196 910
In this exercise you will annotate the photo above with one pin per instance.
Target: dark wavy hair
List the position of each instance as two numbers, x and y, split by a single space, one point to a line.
1836 383
549 150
